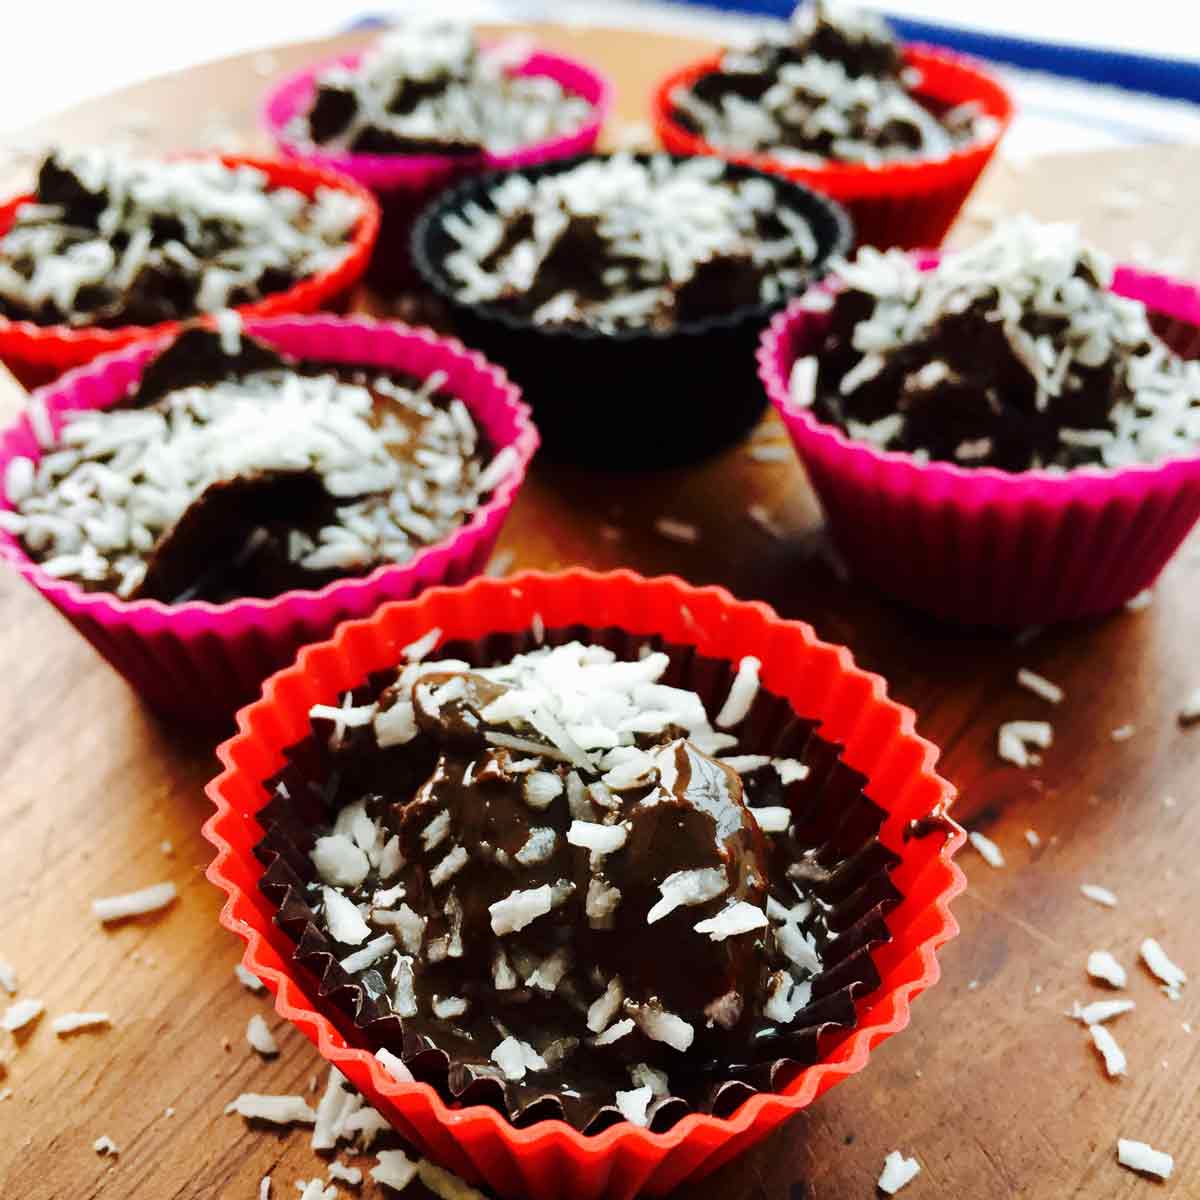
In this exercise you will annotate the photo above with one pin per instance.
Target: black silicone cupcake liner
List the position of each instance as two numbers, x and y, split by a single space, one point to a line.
836 824
634 398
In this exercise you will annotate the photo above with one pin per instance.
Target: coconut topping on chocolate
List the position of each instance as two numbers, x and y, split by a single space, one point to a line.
628 243
427 87
1014 353
549 872
230 470
831 85
112 240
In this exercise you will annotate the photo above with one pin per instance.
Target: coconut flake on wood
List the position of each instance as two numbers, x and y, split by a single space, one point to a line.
1100 1011
1156 960
1099 895
274 1110
105 1146
1138 1156
134 904
898 1171
1115 1063
260 1037
344 1174
988 850
393 1169
1189 713
1014 738
21 1013
8 978
444 1185
1040 686
1103 966
73 1021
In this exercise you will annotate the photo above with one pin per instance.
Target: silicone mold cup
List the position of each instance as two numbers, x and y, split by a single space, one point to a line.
37 353
908 204
989 547
634 398
406 183
202 660
550 1160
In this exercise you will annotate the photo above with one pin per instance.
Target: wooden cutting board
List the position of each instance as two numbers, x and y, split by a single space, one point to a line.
994 1090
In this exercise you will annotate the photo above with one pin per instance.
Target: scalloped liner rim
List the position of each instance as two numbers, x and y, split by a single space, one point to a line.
102 605
850 1056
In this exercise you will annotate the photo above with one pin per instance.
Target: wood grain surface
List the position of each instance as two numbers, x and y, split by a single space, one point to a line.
993 1088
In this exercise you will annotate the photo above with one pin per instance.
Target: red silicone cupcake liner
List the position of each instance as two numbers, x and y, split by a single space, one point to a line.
549 1159
202 660
406 183
38 353
906 204
989 547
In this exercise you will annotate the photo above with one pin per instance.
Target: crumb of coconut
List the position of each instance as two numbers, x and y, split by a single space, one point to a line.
1014 738
1115 1062
105 1146
898 1171
1033 838
770 452
1142 600
444 1185
167 847
1103 966
416 650
1099 895
8 978
315 1189
5 1093
1189 713
264 1188
275 1110
683 532
1173 977
168 1112
1040 686
260 1037
23 1012
1138 1156
344 1174
988 850
248 979
1100 1011
70 1022
134 904
1123 733
394 1169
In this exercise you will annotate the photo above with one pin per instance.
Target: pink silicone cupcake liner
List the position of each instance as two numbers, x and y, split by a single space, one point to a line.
405 183
201 660
989 547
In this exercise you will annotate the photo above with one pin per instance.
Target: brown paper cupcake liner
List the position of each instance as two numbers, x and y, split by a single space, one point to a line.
836 824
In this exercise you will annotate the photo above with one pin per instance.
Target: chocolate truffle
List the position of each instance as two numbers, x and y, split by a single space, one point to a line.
426 87
111 240
831 86
1014 353
231 470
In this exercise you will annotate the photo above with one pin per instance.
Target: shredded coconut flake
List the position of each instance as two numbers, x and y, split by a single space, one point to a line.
21 1013
519 909
1138 1156
393 1065
1156 960
417 650
274 1110
1189 714
260 1037
1098 894
1100 1011
741 694
898 1171
1103 966
634 1105
988 850
1115 1062
134 904
8 978
1015 737
104 1145
1040 686
70 1022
